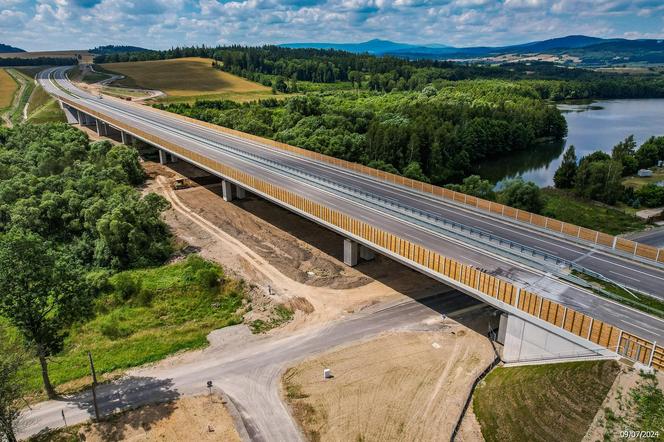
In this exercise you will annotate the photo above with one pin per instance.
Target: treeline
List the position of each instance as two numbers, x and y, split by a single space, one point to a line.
39 61
281 68
599 175
433 135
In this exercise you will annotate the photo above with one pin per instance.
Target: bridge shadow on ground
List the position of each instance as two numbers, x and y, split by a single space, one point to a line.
383 269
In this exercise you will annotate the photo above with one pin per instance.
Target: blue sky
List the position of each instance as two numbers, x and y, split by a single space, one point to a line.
81 24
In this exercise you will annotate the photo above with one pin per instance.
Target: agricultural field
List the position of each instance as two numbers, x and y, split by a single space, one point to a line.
8 88
187 79
553 402
85 56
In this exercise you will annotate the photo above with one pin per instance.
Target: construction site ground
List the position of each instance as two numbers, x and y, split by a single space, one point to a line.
406 385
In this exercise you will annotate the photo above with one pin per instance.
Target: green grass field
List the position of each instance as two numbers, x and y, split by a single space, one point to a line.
567 207
28 87
637 181
186 79
554 402
146 315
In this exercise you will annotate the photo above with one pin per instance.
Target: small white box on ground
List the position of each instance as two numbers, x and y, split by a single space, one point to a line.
327 373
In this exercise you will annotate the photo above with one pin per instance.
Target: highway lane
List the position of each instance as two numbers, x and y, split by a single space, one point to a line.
182 133
626 272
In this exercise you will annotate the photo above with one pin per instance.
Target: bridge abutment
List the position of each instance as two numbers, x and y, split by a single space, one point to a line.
525 341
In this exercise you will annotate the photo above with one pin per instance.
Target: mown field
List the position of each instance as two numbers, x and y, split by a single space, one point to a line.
187 79
144 316
8 88
553 402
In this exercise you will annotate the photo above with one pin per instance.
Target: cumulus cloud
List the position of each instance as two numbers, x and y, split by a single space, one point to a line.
57 24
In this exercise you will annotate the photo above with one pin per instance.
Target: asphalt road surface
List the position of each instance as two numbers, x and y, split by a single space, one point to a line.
247 369
251 156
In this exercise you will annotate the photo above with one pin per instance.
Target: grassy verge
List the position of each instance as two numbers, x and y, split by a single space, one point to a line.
566 207
631 298
555 402
48 113
282 314
144 316
28 87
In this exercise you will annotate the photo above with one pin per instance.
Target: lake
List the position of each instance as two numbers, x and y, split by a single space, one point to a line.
599 125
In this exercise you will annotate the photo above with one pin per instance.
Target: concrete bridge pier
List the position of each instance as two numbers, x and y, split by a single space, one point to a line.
227 190
366 253
240 193
351 249
163 156
125 137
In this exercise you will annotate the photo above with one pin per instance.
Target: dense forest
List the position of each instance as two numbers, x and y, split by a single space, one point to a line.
435 135
78 197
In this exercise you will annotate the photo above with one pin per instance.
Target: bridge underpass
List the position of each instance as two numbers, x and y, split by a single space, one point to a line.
533 296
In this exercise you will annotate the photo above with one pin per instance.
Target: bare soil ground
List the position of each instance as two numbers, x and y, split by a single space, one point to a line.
408 385
289 260
199 418
627 379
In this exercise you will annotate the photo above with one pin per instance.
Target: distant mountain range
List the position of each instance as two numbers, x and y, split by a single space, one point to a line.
573 48
6 48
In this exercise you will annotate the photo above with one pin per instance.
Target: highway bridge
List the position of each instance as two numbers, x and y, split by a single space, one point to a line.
522 264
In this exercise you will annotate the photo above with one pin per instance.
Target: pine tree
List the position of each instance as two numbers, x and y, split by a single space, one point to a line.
564 177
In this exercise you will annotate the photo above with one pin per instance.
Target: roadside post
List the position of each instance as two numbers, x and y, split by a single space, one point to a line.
94 386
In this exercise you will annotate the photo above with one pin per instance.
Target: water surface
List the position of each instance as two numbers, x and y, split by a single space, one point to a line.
599 125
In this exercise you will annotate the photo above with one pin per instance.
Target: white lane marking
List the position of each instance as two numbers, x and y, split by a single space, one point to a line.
642 328
624 276
471 260
650 275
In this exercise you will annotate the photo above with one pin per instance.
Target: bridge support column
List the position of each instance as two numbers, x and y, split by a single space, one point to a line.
227 190
125 137
350 252
366 253
174 159
163 157
240 193
99 126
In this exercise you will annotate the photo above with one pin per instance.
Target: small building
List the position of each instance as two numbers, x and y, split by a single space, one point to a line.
645 172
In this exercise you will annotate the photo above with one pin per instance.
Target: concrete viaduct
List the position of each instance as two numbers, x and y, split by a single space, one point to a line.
520 263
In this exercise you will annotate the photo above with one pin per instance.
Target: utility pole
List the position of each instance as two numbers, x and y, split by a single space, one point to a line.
94 385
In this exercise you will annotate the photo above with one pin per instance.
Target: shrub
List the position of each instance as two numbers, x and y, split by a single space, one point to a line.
127 285
113 329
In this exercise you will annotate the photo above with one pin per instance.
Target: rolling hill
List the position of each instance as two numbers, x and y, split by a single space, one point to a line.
7 49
